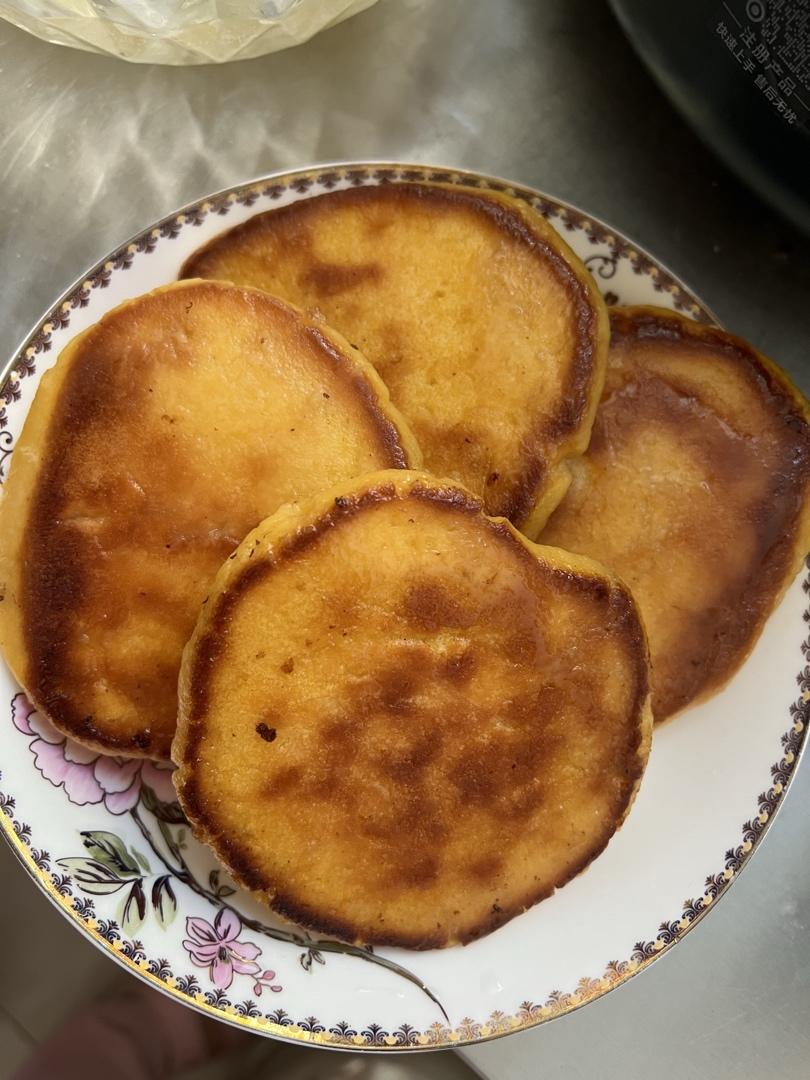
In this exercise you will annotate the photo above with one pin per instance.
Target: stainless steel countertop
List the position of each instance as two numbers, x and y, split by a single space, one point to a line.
547 93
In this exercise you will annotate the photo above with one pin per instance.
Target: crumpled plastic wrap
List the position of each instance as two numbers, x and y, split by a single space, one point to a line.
179 31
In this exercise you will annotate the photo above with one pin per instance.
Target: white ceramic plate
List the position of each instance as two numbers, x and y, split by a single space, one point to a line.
107 844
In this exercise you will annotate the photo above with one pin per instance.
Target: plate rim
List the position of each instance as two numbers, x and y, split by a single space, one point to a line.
793 741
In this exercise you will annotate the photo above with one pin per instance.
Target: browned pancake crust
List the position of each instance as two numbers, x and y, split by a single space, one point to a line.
485 326
165 432
402 749
694 490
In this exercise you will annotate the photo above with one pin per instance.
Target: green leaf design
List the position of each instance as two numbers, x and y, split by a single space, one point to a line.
168 812
141 860
164 901
92 876
133 909
111 850
221 891
168 838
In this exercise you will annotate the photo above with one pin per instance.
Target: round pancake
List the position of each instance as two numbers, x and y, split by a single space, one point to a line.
487 329
161 437
694 490
403 723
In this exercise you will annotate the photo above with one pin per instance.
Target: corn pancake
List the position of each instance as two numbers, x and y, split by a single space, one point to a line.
163 434
403 723
487 329
693 490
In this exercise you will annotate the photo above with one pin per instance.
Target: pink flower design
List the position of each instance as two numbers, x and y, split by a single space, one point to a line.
266 979
217 947
88 777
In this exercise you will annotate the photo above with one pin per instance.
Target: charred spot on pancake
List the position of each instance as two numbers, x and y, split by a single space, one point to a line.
424 870
340 733
267 733
393 690
520 647
472 775
486 869
458 668
407 765
431 607
329 279
284 781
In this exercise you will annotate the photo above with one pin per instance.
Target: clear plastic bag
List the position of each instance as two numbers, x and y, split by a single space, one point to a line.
178 31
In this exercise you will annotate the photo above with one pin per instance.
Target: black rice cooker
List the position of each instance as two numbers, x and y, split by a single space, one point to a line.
739 70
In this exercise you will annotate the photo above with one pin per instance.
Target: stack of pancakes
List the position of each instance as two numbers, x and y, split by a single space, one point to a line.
278 522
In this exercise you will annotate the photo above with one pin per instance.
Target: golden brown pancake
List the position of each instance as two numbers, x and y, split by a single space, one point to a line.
161 437
693 490
487 329
403 723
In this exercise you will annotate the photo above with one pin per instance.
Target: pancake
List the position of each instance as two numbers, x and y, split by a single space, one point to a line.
401 722
161 437
694 491
487 329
